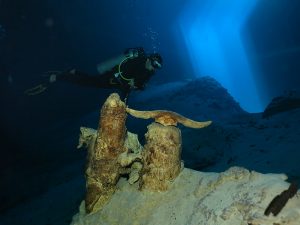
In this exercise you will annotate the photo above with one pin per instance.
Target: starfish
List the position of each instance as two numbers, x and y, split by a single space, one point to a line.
167 118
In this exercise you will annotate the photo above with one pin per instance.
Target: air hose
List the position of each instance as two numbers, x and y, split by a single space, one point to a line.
130 80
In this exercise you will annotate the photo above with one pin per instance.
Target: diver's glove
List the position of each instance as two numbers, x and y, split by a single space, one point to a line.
132 84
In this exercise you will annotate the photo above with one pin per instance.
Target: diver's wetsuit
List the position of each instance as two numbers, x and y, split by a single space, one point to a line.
132 68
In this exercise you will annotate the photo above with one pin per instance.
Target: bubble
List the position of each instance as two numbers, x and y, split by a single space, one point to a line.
152 36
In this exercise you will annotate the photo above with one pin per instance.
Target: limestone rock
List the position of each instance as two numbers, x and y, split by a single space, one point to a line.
236 196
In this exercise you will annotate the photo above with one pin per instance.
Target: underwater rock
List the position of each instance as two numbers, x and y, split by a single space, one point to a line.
162 157
102 172
287 102
162 152
112 151
131 160
131 156
87 137
198 98
234 197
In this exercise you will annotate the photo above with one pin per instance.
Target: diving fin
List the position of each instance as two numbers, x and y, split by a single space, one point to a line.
35 90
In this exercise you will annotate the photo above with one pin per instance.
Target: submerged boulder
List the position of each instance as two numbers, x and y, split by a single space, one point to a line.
289 101
233 197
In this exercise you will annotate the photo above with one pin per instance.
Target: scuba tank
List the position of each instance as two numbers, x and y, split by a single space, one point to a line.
109 64
128 53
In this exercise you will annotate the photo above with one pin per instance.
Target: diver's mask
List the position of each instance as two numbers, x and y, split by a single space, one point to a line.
156 60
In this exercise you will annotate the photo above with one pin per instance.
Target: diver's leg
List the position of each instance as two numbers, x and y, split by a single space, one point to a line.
43 85
75 77
83 79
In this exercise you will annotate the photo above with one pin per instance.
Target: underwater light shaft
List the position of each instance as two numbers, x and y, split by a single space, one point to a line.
212 34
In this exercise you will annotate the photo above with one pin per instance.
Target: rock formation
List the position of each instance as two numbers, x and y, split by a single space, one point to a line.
234 197
289 101
102 172
112 151
162 152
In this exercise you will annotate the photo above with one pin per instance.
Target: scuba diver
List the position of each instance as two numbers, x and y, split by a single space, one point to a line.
127 72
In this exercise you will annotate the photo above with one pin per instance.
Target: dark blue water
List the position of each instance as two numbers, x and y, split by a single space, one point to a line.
252 49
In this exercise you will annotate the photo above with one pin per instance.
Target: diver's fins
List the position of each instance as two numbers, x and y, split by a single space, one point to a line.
35 90
38 89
